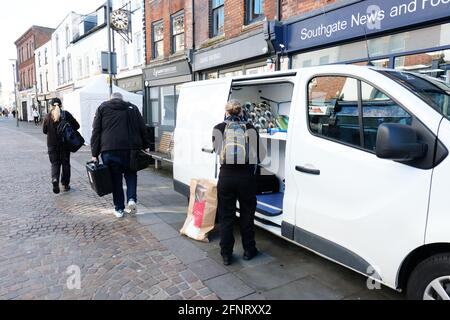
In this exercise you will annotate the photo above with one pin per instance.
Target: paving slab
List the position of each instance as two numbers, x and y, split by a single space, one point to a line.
184 250
229 287
304 289
207 269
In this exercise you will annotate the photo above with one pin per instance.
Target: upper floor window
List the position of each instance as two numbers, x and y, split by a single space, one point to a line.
57 44
177 32
158 39
46 56
69 67
218 18
39 59
254 10
350 111
68 41
138 48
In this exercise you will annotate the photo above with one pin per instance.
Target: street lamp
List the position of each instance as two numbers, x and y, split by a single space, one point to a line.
14 65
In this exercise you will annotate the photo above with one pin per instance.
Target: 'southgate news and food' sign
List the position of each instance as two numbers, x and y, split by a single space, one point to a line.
363 18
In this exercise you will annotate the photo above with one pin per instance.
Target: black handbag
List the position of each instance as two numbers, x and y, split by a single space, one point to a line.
139 159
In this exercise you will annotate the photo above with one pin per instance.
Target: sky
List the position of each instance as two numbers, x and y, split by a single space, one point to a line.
17 16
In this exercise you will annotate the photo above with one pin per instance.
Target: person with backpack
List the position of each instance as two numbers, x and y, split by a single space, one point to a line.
118 131
58 150
237 144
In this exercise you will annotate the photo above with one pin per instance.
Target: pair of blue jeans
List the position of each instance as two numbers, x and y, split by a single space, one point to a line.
118 163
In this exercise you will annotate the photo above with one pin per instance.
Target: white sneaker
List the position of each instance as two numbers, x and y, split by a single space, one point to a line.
132 207
119 214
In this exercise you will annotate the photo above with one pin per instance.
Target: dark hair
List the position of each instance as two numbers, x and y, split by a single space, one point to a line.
56 101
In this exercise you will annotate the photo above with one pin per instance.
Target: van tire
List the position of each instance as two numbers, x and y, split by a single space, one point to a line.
427 271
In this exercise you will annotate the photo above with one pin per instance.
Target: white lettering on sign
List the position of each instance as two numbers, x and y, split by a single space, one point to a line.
372 18
168 70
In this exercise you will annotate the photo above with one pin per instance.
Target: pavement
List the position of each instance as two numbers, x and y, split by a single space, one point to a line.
48 240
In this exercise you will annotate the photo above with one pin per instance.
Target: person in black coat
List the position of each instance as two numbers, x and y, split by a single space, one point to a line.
237 182
58 154
119 128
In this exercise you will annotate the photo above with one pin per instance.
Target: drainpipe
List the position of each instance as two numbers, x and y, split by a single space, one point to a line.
278 18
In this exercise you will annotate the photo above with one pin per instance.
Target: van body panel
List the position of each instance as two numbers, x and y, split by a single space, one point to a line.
201 106
360 202
438 228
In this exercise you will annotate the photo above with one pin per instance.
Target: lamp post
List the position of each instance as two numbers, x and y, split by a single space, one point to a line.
108 27
14 65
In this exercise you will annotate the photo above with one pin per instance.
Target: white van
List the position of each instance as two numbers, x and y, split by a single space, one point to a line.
363 168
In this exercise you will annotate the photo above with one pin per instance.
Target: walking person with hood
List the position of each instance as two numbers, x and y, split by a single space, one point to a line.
58 153
118 129
237 144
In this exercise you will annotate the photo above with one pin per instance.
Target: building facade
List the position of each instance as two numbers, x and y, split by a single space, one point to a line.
400 34
62 56
44 76
200 39
169 41
130 51
33 38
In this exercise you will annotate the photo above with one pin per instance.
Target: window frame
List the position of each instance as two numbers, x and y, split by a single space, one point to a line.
249 5
360 110
215 32
154 42
173 36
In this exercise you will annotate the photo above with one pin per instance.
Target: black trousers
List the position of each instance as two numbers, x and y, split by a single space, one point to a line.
230 190
60 159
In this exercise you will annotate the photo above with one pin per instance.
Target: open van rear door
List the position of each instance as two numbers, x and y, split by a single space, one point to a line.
201 106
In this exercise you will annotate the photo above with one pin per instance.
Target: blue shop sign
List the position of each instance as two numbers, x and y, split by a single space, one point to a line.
367 17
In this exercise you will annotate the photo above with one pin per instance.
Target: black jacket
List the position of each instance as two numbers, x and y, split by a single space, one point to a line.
257 152
50 129
111 129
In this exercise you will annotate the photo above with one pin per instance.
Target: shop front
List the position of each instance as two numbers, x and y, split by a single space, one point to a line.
410 35
162 89
229 60
131 84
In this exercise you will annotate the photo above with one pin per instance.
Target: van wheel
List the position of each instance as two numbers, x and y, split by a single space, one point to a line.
431 279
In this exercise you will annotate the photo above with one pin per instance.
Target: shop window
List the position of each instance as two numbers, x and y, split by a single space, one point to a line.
254 10
154 105
218 18
178 32
167 106
334 111
434 64
158 39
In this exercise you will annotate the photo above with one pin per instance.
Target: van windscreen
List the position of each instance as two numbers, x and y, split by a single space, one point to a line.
434 92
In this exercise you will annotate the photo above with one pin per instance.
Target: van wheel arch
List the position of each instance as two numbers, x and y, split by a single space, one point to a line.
415 258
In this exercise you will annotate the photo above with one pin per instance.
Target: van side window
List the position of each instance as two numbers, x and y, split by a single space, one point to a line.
333 109
335 105
379 108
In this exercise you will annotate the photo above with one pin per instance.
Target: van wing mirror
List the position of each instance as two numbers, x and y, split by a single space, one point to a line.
399 142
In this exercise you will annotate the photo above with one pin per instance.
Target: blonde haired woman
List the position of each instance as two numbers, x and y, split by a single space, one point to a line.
58 154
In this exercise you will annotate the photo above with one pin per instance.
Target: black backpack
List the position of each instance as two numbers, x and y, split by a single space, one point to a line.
70 138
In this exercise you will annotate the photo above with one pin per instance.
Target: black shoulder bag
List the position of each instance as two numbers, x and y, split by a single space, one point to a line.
139 159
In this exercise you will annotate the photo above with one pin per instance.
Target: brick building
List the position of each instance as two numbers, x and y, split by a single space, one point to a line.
33 38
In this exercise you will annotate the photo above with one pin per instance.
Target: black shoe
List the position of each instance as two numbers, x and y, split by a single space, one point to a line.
56 189
66 188
249 255
227 260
